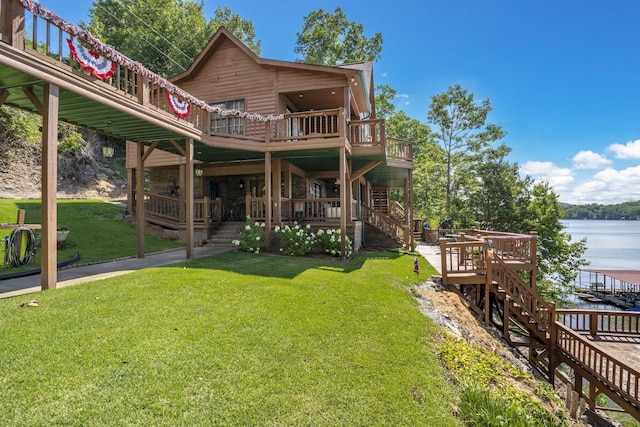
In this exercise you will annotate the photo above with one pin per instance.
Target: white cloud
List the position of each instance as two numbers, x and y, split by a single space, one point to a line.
403 98
630 150
608 186
590 160
544 168
559 178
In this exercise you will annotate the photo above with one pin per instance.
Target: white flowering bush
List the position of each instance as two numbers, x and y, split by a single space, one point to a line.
296 240
251 237
330 242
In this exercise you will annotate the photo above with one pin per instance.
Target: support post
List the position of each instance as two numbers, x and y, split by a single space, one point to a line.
182 195
411 204
140 199
130 190
267 202
188 197
343 201
276 190
49 213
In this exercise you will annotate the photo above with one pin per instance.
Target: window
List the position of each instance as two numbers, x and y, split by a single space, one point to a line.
316 190
228 124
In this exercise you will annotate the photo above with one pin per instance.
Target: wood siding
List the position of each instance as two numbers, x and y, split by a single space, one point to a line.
230 74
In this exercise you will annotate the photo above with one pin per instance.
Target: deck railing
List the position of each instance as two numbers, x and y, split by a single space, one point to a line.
367 133
49 38
600 322
300 210
309 125
463 257
169 210
399 150
510 246
619 377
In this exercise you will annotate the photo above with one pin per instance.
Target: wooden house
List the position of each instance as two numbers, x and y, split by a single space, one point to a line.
322 159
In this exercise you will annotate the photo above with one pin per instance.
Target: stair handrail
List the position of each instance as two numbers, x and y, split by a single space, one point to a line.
396 210
387 225
607 369
521 292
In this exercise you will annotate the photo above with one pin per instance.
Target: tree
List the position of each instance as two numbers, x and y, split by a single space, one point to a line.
242 29
461 130
330 39
501 195
163 35
558 259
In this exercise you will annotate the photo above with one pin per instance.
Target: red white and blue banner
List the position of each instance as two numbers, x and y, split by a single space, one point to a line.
95 64
181 108
103 66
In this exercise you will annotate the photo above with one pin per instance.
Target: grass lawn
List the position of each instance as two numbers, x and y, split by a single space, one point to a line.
235 339
97 230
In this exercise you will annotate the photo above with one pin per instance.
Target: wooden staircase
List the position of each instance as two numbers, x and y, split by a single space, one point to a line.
485 273
380 196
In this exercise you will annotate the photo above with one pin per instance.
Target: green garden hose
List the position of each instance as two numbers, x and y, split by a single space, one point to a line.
18 252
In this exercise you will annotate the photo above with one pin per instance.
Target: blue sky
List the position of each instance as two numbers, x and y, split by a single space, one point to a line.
562 76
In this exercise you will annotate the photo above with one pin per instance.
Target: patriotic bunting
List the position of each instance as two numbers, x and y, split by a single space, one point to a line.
181 108
104 66
95 64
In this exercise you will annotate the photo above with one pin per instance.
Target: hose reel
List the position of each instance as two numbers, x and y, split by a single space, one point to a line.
20 247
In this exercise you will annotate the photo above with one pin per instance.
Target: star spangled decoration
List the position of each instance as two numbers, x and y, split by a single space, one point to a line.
181 108
97 65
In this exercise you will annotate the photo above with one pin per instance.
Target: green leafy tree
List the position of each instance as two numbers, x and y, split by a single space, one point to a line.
330 39
558 258
501 195
462 131
164 35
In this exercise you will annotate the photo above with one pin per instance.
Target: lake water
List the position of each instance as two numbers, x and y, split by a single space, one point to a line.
613 245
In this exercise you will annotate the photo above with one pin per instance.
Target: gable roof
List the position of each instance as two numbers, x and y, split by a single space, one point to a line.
361 73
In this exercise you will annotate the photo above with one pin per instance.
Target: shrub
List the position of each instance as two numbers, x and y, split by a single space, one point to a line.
330 242
296 240
71 144
251 237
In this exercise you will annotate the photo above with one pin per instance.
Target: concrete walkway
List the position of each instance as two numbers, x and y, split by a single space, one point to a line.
432 254
86 273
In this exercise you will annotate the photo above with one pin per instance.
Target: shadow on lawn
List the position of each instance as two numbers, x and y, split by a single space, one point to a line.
286 267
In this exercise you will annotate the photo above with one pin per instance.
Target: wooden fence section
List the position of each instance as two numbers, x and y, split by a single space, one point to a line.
622 382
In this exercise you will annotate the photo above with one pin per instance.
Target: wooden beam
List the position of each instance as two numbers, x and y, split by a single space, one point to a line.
3 96
34 100
149 150
189 197
179 148
357 174
49 213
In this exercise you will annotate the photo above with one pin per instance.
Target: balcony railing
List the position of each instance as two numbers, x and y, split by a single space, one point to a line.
309 125
49 38
367 133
